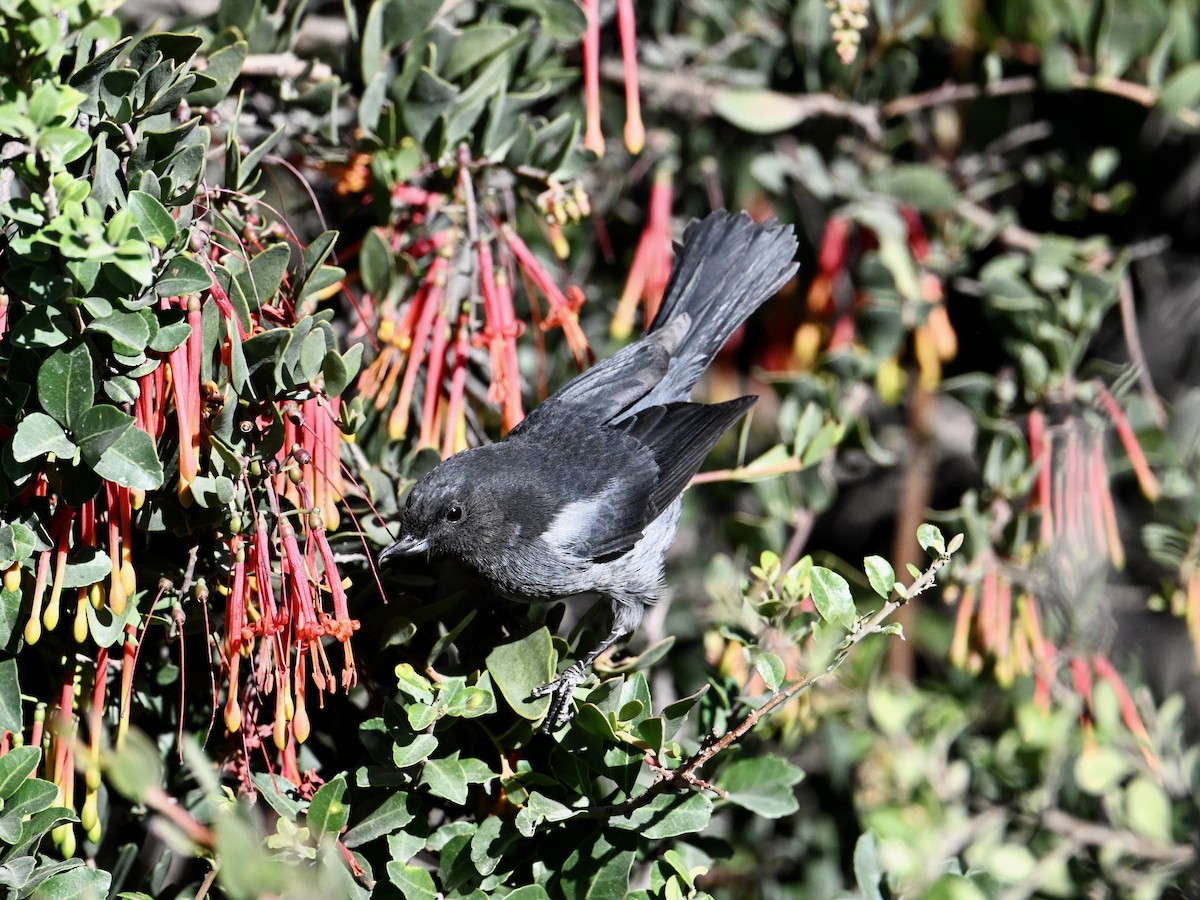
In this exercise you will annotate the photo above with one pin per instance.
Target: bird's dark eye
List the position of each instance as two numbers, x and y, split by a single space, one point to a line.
454 513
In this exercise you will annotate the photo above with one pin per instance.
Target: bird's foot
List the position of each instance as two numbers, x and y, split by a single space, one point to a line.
561 692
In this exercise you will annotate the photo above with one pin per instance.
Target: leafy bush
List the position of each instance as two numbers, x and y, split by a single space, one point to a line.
212 401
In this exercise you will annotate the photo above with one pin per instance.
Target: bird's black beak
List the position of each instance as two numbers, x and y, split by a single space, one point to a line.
406 546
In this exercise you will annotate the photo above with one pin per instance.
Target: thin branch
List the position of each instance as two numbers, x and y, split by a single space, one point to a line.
686 776
1098 835
687 93
1133 346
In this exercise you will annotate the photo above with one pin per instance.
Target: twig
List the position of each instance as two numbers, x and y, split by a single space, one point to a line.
687 93
285 65
1133 346
956 93
1097 835
686 776
753 470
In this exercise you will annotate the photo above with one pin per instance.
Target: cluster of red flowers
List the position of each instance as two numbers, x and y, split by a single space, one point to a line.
834 299
1000 619
433 331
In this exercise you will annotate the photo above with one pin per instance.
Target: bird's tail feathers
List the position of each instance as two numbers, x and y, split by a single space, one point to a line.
727 266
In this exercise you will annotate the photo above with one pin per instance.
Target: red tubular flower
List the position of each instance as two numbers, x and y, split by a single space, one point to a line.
430 298
455 425
563 312
1040 455
1133 449
62 547
186 385
960 644
635 131
831 257
1102 515
918 242
512 412
593 138
652 262
1129 714
439 338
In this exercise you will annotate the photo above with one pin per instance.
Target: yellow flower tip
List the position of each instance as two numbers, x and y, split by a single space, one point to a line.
33 630
635 136
80 631
594 141
300 724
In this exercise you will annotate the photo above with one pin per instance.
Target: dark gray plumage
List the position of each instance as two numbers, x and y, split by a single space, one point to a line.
583 496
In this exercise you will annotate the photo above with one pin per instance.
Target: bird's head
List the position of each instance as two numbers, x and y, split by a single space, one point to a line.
455 510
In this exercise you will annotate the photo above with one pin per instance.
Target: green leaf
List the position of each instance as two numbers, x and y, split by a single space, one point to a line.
136 767
668 815
1149 810
529 892
152 219
405 754
17 542
87 565
15 768
389 817
224 67
868 867
881 575
927 188
771 668
32 796
99 428
563 20
38 434
279 793
449 777
1100 769
131 461
248 171
1182 90
10 697
931 540
66 388
328 811
599 868
10 614
760 111
170 336
129 330
517 669
107 635
762 785
831 594
413 882
80 883
182 275
475 45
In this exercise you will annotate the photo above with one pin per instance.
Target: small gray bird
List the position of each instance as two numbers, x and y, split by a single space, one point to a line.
582 498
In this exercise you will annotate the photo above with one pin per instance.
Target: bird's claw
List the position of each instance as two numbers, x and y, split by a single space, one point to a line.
561 692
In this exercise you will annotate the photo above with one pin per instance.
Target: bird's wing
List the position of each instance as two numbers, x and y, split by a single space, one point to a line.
607 389
607 520
680 436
